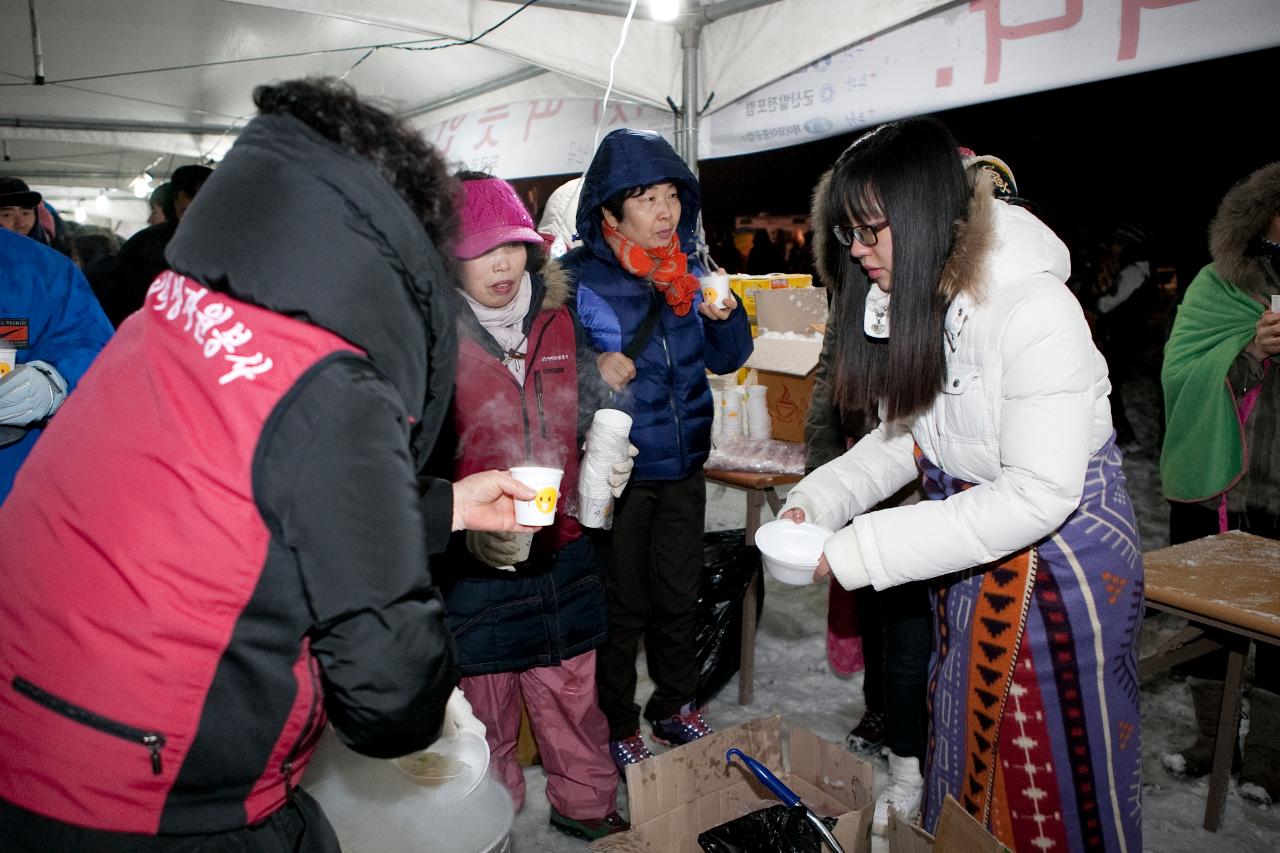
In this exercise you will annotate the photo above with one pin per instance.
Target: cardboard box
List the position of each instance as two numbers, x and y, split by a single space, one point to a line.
745 287
681 793
786 355
958 832
795 311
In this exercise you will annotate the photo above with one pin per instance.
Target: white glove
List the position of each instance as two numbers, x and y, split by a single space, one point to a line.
499 550
458 717
30 393
621 471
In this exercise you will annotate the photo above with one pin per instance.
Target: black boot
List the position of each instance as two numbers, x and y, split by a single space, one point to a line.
1260 771
1196 760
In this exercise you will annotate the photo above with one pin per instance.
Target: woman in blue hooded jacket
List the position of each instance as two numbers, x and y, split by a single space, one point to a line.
638 298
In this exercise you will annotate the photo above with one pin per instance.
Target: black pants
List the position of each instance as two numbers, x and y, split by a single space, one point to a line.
654 575
1194 521
298 827
896 638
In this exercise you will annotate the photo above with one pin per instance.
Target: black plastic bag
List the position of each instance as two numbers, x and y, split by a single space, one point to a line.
728 567
777 829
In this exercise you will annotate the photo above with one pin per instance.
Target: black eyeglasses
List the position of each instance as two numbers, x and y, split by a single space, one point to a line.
864 234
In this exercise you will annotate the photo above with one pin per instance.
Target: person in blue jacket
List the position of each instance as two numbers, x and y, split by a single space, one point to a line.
638 297
51 327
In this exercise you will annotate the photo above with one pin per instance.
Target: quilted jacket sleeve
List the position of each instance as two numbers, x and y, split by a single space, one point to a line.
1045 401
339 480
1046 423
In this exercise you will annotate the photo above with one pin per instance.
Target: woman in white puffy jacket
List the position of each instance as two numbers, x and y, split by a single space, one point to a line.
989 387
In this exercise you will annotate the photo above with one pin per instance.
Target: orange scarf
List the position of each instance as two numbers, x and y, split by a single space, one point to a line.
666 268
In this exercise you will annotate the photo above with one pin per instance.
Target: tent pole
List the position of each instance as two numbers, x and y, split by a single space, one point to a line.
37 54
687 135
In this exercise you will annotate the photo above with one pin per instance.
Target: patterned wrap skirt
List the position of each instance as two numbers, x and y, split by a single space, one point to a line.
1033 680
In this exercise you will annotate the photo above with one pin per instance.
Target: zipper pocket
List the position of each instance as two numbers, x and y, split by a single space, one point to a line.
153 741
286 769
542 415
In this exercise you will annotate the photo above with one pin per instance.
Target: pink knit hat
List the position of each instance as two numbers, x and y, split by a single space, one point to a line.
492 215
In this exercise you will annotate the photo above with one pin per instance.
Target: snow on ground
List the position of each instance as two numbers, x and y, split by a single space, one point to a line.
794 680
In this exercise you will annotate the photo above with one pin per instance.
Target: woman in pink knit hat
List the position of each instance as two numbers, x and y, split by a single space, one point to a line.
527 617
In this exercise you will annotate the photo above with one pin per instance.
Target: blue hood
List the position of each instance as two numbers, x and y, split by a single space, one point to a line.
635 158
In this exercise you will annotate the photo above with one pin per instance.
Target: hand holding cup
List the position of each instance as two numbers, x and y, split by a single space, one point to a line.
486 501
621 471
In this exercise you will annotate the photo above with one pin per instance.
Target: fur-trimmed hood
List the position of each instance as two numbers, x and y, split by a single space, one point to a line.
630 158
558 283
975 235
995 242
825 248
1242 218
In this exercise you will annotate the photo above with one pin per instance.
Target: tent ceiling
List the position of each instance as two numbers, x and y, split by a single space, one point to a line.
133 82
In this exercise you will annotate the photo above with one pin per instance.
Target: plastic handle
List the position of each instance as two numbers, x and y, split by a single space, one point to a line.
773 783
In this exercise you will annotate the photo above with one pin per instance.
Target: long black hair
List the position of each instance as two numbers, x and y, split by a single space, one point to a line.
909 173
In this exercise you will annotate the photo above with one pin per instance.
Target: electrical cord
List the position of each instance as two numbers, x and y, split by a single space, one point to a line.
401 45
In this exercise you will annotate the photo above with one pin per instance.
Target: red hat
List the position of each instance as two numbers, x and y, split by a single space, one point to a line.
492 215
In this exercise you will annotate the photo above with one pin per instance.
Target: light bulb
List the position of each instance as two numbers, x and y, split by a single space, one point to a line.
141 185
664 10
100 203
82 215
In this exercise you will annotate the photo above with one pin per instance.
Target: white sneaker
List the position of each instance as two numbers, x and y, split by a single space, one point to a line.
905 789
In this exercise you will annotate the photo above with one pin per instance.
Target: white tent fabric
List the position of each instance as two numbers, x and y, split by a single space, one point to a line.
131 80
152 84
739 52
131 85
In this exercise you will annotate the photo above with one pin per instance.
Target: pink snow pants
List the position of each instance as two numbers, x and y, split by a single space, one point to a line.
573 737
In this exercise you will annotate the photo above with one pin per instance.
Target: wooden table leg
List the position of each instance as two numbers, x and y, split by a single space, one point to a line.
775 500
747 655
1228 731
747 658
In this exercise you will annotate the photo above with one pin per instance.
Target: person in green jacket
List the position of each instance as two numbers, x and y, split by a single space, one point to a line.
1220 463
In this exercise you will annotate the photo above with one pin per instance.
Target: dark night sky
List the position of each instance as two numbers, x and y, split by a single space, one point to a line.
1158 148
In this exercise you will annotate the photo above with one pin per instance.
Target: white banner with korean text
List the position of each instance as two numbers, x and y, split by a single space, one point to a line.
983 50
540 137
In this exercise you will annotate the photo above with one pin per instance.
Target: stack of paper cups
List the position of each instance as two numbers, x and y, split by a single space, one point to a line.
759 424
731 416
607 445
717 412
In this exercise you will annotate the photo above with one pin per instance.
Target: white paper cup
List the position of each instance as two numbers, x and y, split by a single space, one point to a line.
595 512
605 450
614 421
540 511
8 360
608 434
593 479
1275 303
715 289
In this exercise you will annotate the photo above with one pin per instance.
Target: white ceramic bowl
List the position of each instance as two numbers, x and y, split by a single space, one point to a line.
791 551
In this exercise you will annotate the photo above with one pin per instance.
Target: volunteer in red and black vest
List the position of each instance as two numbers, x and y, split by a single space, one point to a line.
220 542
